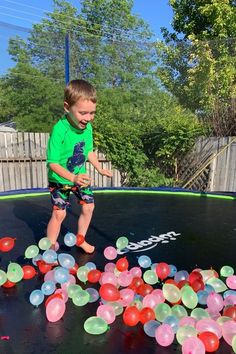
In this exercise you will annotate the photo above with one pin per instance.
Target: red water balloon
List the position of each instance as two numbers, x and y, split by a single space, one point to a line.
122 264
194 276
144 289
230 312
131 316
136 282
198 285
7 243
43 266
181 283
146 314
109 292
162 270
94 275
210 340
8 284
53 296
29 272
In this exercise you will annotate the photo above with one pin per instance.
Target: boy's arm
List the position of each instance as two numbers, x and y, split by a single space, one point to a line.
92 157
82 179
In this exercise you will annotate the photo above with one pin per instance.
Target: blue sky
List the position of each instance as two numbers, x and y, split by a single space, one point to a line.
157 13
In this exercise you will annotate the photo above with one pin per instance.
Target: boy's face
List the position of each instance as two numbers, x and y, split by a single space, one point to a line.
81 113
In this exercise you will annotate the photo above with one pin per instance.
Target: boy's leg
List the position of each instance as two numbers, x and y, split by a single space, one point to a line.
60 201
83 225
54 225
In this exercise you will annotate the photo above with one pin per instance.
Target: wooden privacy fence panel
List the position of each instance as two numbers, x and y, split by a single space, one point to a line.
223 166
211 165
23 163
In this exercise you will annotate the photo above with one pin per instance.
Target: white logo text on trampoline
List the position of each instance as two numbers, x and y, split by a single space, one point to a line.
150 243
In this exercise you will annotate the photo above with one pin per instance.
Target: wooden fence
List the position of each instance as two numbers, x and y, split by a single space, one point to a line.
222 163
23 163
211 165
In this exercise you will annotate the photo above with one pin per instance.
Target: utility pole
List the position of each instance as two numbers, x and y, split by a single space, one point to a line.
67 58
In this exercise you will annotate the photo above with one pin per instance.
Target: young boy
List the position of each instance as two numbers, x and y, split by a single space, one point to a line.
69 147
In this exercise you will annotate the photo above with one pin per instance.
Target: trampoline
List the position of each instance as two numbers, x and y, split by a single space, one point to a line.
186 229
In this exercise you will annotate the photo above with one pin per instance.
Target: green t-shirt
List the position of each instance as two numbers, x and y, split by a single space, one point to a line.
68 147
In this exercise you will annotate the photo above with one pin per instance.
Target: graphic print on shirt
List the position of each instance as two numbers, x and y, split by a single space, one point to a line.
78 158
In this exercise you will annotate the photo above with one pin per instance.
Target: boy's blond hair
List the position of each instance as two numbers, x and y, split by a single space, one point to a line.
79 89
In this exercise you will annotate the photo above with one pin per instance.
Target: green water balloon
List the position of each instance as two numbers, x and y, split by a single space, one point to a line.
44 244
73 289
179 311
185 332
31 251
82 273
171 292
81 298
150 277
14 272
95 325
226 271
122 242
218 285
3 277
234 343
162 310
189 298
198 314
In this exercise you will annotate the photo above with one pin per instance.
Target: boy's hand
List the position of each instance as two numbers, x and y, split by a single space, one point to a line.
106 172
82 180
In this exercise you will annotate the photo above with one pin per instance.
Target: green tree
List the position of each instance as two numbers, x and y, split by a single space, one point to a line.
198 59
32 100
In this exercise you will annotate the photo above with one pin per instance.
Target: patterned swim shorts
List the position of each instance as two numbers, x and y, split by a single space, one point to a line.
60 194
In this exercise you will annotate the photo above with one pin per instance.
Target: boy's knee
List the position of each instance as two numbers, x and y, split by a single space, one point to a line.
59 215
88 208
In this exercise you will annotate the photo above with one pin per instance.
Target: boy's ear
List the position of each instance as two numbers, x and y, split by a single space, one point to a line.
66 107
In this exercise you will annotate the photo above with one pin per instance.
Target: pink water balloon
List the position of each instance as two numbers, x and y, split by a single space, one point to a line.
110 253
106 312
231 282
55 310
125 278
187 321
109 267
215 302
126 297
108 277
209 325
229 331
193 345
159 294
164 335
136 272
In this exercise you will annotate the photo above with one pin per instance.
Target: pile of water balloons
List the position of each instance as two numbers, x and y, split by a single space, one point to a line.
194 309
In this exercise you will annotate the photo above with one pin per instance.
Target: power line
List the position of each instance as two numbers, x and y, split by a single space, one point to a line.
86 32
16 27
22 4
32 76
19 18
23 12
62 15
73 30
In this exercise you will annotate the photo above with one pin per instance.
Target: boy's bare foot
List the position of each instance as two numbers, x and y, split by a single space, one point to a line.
87 247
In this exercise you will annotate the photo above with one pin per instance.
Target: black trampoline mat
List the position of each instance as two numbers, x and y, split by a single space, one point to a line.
191 232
